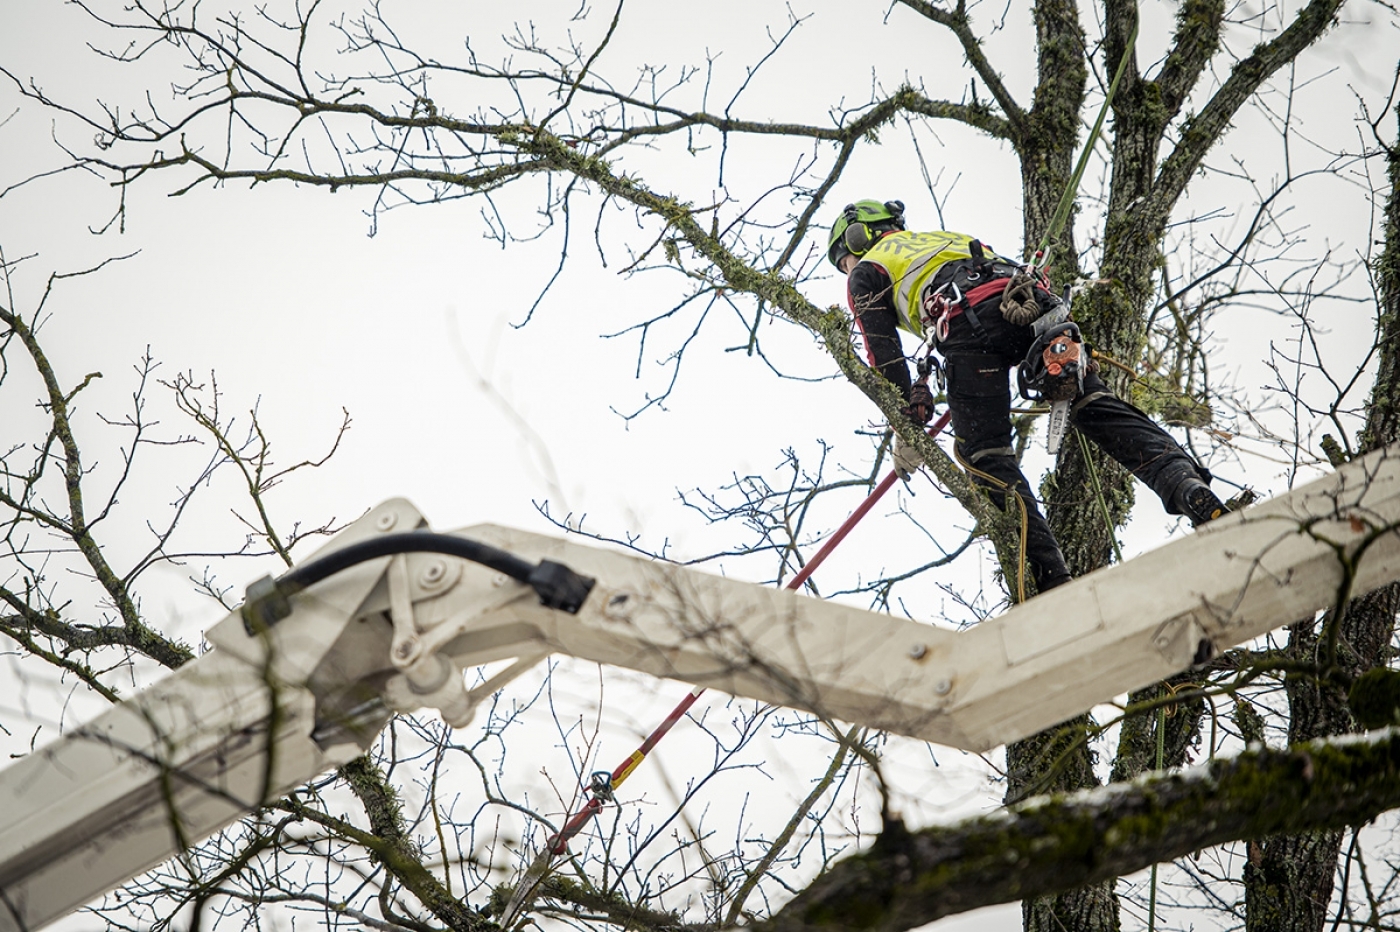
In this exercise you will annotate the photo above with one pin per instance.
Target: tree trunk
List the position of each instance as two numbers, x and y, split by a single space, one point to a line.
1058 760
1288 879
1138 740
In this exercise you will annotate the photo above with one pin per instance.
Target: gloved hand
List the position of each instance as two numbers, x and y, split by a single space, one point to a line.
920 409
907 460
1018 303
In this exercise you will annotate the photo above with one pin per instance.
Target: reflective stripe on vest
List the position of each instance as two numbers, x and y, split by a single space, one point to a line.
911 260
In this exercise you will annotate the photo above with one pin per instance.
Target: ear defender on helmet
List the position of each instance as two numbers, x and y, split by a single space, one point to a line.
860 226
858 237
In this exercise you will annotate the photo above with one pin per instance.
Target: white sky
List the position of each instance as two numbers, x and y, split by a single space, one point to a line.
281 292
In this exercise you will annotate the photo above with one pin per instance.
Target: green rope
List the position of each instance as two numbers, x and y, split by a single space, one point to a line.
1061 215
1058 220
1042 257
1152 890
1098 493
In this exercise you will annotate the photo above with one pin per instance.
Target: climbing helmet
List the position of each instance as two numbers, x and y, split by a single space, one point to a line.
860 225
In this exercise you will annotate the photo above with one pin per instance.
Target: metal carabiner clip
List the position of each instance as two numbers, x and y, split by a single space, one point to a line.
954 299
938 307
600 785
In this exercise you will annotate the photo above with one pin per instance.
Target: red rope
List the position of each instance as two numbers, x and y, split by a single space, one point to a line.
856 515
559 843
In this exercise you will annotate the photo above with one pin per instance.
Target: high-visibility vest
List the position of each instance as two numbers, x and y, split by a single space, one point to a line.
911 260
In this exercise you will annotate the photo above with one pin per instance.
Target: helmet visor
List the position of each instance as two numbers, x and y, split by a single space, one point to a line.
838 251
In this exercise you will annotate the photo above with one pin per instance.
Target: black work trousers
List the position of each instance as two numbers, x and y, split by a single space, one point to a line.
978 360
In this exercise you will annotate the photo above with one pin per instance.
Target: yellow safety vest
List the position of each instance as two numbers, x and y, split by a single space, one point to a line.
911 260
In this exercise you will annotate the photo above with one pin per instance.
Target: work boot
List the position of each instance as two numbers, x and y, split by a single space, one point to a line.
1194 499
1050 582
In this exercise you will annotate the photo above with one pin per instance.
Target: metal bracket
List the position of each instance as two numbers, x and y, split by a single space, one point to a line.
428 676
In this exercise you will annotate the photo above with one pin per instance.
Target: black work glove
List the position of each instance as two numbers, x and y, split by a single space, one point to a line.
920 409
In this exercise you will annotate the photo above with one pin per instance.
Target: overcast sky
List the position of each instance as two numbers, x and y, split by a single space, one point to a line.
283 294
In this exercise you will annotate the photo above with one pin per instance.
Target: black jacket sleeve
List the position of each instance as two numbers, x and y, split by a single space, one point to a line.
871 296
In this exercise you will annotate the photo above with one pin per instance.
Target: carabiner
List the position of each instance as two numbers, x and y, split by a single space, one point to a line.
600 785
938 308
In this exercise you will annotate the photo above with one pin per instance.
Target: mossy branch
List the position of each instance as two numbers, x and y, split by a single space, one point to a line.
135 632
957 22
389 843
1053 844
1202 132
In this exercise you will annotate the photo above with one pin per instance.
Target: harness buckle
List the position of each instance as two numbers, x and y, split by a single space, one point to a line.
938 306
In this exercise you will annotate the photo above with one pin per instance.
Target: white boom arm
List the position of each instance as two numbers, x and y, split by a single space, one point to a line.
266 711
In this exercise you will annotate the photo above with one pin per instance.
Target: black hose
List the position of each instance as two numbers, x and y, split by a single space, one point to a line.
558 586
386 545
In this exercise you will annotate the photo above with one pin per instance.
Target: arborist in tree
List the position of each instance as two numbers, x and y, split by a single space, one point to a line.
986 314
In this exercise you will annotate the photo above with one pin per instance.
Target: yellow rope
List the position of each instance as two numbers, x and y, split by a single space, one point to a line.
1025 518
1115 363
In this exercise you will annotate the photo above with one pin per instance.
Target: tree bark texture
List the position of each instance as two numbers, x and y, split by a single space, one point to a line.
398 852
1059 759
1178 724
1088 496
1383 412
1289 878
1052 844
1050 133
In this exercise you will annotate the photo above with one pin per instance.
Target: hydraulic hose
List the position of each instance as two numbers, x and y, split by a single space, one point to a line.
557 585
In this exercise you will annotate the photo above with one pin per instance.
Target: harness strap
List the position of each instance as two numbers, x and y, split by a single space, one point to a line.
990 451
940 305
1091 396
944 307
982 292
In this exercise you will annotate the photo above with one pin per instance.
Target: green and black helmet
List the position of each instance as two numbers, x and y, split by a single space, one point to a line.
860 225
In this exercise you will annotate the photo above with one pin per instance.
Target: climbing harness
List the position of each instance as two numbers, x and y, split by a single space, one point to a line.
969 287
941 304
939 307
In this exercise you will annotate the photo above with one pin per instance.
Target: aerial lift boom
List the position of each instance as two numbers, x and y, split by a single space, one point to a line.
386 616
